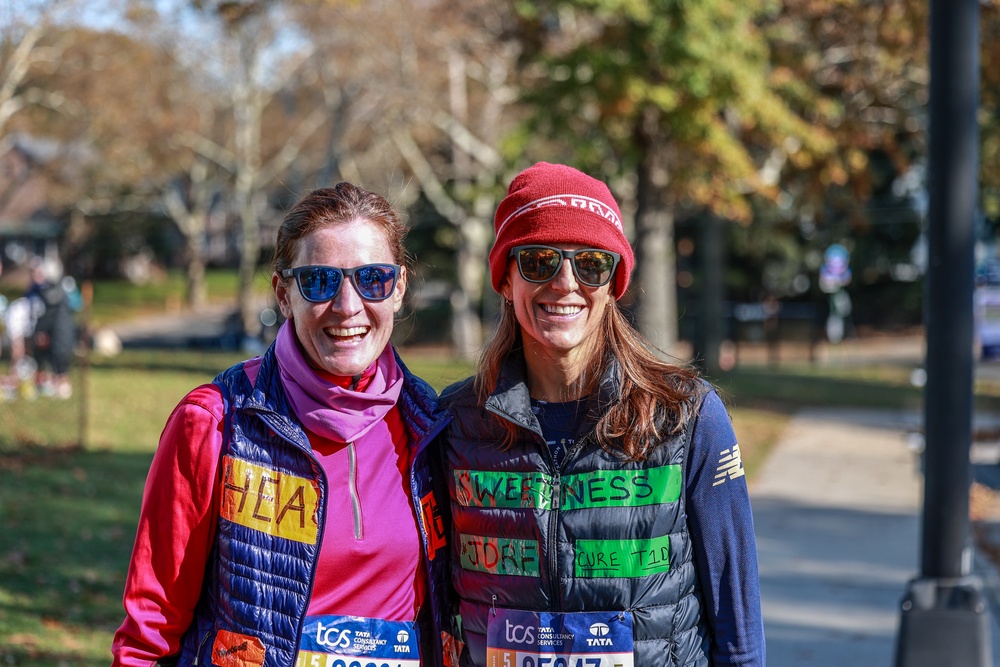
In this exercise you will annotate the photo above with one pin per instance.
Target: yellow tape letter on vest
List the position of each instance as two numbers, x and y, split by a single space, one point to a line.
270 501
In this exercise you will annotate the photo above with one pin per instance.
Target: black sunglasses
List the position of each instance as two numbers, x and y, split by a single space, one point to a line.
540 263
318 284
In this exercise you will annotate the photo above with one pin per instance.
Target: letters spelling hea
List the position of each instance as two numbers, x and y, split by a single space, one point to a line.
269 501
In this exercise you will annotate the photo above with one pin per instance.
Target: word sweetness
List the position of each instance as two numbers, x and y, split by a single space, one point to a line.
598 488
269 500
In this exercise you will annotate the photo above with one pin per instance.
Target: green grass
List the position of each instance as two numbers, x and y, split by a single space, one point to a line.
870 385
69 514
133 394
40 420
68 521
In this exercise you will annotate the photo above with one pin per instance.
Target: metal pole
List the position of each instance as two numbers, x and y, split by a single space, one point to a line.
87 294
944 620
954 177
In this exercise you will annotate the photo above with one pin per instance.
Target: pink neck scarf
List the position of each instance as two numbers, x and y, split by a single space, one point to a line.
327 409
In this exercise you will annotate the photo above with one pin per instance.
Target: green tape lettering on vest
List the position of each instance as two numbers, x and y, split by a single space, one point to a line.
500 555
486 488
622 488
622 558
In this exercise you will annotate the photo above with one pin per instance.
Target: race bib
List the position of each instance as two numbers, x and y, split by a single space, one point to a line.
356 641
547 639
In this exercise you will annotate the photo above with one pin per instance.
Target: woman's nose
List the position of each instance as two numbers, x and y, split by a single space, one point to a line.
347 300
565 279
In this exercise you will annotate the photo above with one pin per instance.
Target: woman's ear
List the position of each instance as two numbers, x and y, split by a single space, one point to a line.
281 295
506 289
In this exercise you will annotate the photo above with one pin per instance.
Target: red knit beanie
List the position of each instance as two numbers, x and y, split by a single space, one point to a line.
553 203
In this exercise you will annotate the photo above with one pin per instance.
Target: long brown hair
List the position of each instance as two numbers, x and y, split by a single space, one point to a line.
656 397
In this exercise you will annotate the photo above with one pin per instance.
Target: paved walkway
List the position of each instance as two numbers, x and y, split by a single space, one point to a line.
211 327
837 513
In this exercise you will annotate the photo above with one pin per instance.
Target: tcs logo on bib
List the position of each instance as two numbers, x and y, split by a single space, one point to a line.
519 634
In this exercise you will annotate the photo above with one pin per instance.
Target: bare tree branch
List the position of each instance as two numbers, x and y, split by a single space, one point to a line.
292 147
424 173
205 147
53 100
17 68
485 154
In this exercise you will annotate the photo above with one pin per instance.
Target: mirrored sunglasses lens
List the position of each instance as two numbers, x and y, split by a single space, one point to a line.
375 282
594 267
320 283
538 264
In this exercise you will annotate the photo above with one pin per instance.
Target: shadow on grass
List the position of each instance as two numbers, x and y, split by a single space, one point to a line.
67 526
789 389
171 360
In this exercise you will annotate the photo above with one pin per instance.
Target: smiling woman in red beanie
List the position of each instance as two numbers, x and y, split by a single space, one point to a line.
599 510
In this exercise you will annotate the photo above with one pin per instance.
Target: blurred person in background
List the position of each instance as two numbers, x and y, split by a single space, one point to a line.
289 516
597 496
53 335
19 322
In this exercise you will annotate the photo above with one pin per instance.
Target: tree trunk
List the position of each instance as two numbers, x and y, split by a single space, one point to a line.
467 325
248 107
655 290
190 210
711 294
195 289
466 329
249 254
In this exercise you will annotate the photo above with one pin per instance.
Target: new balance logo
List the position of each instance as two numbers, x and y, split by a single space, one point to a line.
730 466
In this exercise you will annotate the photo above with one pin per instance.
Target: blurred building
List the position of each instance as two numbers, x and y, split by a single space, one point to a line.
27 227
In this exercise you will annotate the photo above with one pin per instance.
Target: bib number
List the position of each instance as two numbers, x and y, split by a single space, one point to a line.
546 639
356 641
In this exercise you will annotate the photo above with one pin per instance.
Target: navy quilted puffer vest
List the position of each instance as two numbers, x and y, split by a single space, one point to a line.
258 583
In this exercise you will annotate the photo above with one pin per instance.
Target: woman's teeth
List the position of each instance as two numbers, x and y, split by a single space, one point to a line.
562 310
346 333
